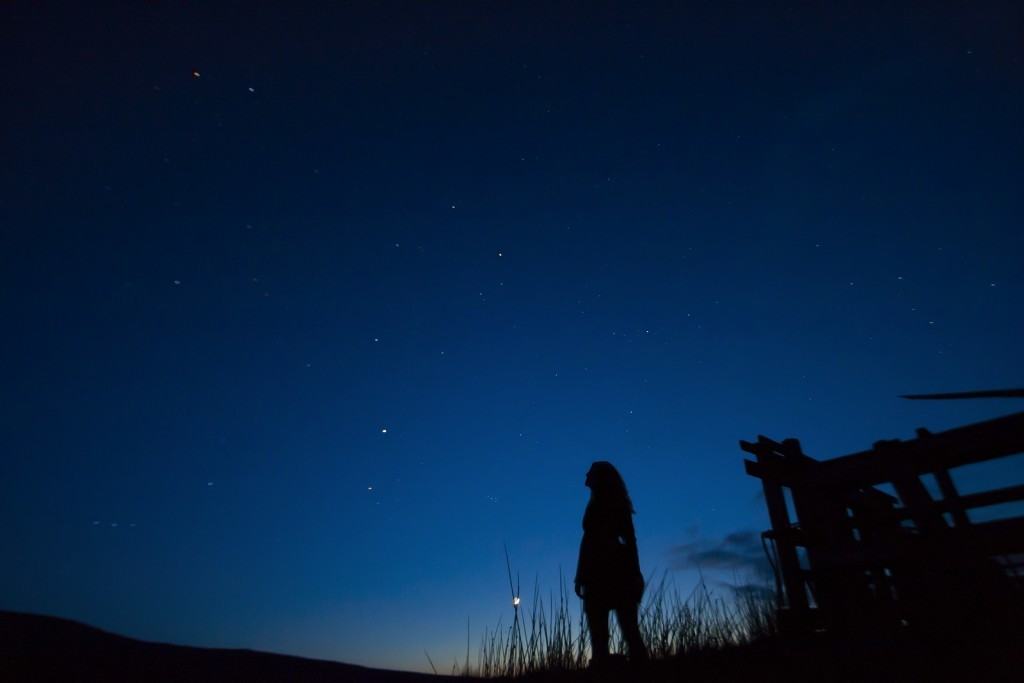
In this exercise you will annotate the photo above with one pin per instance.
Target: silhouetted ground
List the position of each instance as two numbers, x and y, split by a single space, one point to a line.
822 661
38 648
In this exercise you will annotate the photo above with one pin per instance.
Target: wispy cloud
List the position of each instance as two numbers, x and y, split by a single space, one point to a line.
759 591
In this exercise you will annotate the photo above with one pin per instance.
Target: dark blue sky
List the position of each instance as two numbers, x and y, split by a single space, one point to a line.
518 237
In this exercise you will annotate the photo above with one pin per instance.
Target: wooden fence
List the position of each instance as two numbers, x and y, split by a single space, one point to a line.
848 556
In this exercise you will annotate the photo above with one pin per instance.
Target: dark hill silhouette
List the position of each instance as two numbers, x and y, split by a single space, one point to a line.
48 649
42 648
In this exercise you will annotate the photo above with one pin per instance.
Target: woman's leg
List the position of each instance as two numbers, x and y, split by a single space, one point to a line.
629 624
597 621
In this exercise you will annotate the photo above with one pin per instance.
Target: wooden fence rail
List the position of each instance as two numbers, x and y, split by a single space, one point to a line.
849 556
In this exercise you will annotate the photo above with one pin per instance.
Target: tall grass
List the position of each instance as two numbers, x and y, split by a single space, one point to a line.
552 635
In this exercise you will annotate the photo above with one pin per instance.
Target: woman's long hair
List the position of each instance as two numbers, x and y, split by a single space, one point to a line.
607 488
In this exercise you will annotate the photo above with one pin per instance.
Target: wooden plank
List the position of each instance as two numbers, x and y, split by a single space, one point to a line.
789 564
774 471
762 448
1008 494
840 590
1001 537
915 497
951 498
972 443
991 393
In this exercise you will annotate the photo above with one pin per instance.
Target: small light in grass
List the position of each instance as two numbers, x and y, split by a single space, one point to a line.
515 601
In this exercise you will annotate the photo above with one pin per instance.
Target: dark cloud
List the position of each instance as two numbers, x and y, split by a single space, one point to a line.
743 539
739 552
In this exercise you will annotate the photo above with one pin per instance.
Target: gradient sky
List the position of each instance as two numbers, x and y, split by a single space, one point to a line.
240 241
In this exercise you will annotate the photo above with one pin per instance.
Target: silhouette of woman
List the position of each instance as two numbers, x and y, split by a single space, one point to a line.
608 574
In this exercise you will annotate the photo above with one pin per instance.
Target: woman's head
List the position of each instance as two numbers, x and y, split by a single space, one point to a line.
606 484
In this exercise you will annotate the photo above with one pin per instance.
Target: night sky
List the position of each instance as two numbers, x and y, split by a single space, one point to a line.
309 312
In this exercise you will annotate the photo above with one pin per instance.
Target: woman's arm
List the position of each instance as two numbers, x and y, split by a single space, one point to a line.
583 566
